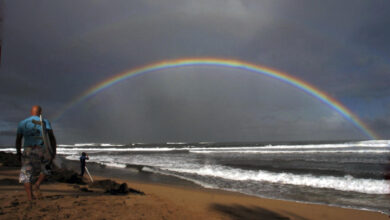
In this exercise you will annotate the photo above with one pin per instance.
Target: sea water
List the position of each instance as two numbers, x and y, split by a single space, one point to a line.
349 174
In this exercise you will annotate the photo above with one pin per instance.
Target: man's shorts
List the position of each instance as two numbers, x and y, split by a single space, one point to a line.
33 164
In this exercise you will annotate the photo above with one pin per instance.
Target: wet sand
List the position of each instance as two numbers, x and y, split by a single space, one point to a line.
161 201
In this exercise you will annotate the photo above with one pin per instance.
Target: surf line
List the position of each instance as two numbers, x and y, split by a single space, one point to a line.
230 63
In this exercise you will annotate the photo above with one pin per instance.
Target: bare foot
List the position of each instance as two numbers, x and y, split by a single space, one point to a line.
37 192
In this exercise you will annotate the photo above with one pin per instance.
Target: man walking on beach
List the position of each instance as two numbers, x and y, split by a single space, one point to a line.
36 163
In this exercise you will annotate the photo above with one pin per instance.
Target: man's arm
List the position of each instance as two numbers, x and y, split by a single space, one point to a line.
53 142
18 145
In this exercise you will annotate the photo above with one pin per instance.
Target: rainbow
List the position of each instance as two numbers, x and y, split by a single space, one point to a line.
266 71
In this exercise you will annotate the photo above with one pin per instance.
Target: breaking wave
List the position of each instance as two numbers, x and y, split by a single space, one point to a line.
346 183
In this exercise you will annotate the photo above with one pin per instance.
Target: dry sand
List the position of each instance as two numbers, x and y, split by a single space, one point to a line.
66 201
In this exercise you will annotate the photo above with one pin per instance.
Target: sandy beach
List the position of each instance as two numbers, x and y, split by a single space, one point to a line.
161 201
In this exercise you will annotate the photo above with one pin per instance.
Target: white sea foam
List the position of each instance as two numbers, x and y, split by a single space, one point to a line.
9 150
374 143
65 145
289 151
111 145
346 183
352 147
113 164
84 144
178 143
91 145
371 144
112 149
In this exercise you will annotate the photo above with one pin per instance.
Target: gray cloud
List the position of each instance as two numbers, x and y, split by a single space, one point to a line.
8 133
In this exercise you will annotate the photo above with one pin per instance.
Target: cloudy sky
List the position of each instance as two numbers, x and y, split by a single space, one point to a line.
53 51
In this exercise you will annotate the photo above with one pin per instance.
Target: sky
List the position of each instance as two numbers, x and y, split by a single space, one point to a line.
54 51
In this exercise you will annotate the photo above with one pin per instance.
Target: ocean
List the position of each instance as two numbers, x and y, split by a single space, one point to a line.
348 174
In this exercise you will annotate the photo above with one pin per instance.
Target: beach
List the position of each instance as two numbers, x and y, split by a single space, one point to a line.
161 201
342 174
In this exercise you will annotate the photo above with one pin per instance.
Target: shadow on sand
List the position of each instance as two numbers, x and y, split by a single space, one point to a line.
239 212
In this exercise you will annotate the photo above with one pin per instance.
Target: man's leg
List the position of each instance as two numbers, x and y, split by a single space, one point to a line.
26 172
40 180
37 186
82 170
27 187
40 170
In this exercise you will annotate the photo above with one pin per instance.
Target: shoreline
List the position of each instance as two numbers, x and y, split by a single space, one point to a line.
130 173
173 181
66 201
170 200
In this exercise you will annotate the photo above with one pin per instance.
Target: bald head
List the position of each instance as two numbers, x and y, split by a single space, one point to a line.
36 110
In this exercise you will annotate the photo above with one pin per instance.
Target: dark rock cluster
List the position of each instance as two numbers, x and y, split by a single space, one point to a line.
114 188
65 176
9 160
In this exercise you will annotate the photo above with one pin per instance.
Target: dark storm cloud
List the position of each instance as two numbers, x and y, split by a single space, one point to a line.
382 125
319 42
11 133
53 51
381 122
